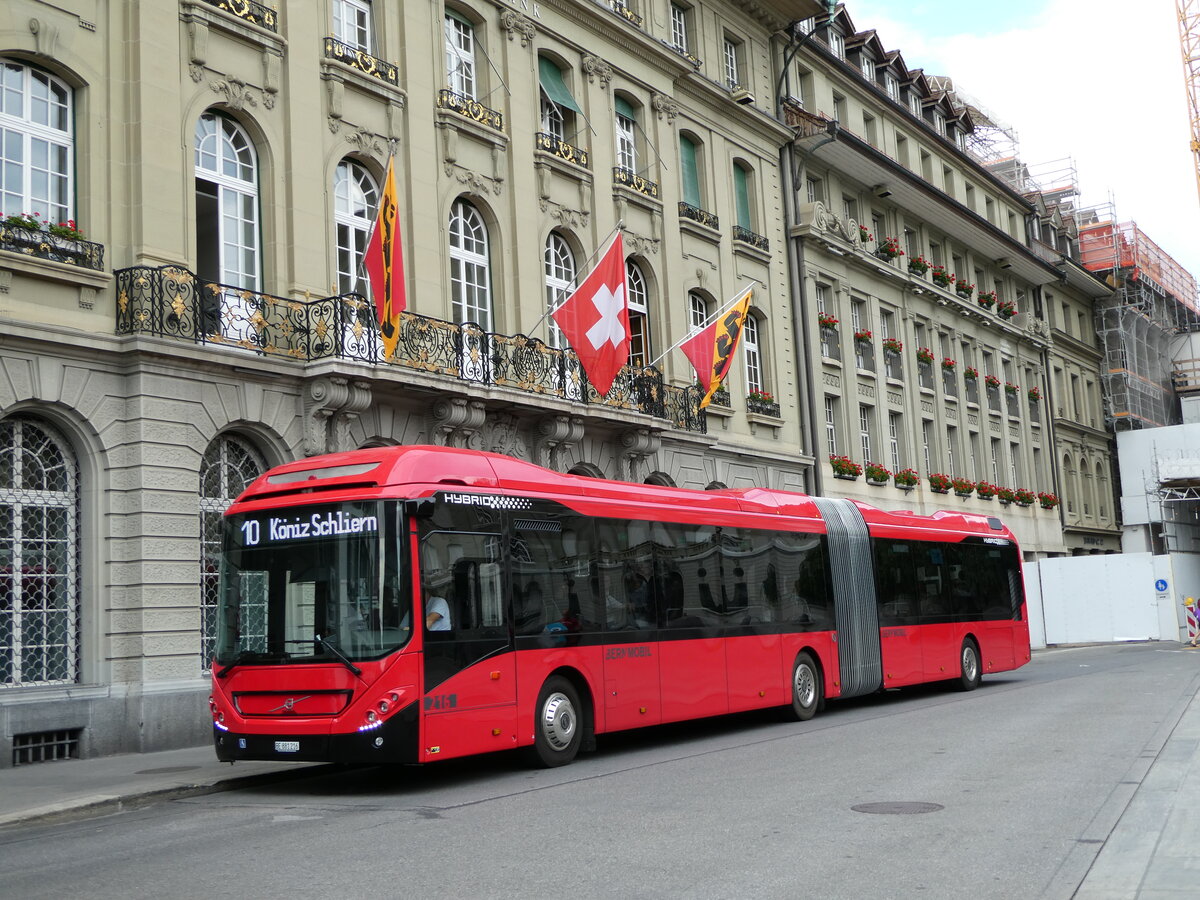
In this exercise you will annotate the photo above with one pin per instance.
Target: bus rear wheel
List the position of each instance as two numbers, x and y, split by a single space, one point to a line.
806 688
972 671
558 723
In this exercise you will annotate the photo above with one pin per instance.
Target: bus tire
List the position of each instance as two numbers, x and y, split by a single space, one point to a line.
971 668
558 723
806 687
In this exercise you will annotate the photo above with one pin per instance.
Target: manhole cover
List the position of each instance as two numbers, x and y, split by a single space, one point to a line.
898 808
167 770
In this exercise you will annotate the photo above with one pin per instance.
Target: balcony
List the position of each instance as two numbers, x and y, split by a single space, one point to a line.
45 245
698 215
249 11
470 108
362 61
632 180
172 303
746 236
626 13
548 143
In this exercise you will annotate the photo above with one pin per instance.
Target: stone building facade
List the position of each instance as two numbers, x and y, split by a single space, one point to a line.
211 168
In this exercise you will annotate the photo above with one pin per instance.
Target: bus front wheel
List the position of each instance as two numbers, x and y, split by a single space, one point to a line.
806 688
558 726
972 671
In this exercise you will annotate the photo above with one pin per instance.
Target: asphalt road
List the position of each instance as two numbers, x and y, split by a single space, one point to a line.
1006 792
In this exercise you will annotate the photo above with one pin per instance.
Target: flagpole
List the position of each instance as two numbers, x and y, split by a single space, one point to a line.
708 321
620 226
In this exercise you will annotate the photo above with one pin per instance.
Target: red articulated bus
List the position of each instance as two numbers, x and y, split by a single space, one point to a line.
410 604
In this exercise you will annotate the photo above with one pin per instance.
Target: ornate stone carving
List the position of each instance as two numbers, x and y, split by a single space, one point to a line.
272 63
331 406
570 218
197 49
45 37
637 446
517 25
664 105
555 435
455 422
504 436
636 245
594 67
237 95
367 143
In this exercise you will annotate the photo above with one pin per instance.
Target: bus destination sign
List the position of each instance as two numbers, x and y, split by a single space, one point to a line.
330 523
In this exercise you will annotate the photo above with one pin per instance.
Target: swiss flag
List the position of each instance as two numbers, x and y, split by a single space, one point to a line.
595 319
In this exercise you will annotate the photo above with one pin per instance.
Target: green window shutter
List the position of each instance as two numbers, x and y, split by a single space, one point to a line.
689 172
625 109
554 86
741 193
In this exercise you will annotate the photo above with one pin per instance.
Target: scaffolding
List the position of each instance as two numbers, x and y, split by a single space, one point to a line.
1154 301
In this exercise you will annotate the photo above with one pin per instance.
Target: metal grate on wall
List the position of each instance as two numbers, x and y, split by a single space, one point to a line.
46 746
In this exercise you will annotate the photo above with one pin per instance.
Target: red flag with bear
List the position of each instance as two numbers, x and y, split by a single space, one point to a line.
711 349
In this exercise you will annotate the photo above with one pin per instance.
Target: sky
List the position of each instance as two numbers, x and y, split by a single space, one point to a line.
1099 83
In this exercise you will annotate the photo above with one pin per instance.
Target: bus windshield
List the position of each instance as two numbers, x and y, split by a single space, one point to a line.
313 582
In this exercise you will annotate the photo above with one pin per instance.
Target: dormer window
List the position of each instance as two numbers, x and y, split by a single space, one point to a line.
892 85
939 122
868 67
837 44
914 103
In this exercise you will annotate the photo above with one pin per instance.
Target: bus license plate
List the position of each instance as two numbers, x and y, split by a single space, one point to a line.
287 746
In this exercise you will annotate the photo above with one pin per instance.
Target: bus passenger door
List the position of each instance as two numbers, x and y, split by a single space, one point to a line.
469 691
899 607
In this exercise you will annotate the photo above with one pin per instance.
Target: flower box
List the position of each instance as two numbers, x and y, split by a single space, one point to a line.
1047 500
970 373
844 467
918 265
925 356
1007 309
986 299
893 345
964 288
963 487
826 321
877 474
940 483
907 479
864 235
863 337
942 277
889 249
948 364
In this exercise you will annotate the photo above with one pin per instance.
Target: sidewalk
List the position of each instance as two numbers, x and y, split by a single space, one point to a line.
1153 851
82 787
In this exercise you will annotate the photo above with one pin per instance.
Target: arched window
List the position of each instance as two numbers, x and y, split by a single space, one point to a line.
227 239
39 555
37 144
470 268
355 200
639 320
228 467
560 280
697 311
755 379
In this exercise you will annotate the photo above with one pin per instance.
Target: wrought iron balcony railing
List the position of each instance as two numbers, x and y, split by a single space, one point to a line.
762 407
470 108
634 181
173 303
682 51
260 15
746 236
560 148
626 13
696 214
363 61
45 245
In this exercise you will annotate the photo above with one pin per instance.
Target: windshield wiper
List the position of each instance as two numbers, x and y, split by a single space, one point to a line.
321 642
244 656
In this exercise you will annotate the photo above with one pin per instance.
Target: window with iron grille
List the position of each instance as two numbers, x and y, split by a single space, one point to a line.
228 467
39 555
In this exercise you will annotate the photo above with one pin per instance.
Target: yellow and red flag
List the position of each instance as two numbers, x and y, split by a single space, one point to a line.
384 263
711 349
